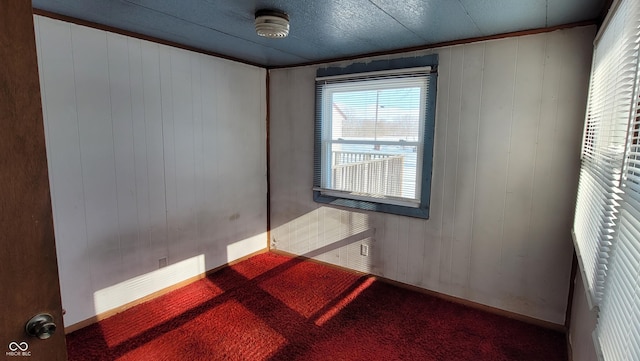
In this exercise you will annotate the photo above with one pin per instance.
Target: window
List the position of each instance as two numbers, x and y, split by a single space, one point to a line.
374 135
606 228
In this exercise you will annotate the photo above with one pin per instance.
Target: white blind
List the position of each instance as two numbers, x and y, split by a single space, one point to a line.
618 327
372 135
607 223
619 320
611 93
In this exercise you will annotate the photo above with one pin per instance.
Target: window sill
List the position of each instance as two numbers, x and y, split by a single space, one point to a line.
420 212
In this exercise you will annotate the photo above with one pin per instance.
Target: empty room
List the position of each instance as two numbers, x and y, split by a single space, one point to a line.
320 180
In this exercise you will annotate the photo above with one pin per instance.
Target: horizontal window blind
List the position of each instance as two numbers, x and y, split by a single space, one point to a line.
607 222
618 327
610 101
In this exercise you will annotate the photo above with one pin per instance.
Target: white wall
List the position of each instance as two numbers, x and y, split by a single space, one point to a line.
508 131
153 152
583 323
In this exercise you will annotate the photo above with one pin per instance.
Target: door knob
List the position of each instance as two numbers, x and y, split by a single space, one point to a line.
41 326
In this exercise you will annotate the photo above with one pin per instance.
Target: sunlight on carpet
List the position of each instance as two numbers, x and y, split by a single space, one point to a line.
272 307
343 302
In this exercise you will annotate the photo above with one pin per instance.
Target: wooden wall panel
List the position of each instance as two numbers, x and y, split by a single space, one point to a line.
529 77
134 257
55 59
467 158
448 107
509 120
155 187
494 143
390 246
154 153
97 158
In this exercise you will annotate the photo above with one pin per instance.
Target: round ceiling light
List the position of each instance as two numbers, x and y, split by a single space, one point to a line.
272 24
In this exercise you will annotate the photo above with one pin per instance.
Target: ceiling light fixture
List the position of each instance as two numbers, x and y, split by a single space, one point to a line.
272 24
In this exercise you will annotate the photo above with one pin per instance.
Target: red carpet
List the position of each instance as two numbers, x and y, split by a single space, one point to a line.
272 307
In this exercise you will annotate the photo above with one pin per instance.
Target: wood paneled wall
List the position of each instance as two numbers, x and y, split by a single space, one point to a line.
509 121
154 152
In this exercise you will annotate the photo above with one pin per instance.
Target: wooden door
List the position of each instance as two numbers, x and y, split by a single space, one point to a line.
28 267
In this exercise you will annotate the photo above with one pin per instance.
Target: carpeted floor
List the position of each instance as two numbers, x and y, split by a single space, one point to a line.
272 307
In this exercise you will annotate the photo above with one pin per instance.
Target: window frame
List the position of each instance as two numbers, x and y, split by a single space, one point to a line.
424 169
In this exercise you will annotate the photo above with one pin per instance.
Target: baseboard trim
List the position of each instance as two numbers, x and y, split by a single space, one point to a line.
461 301
91 320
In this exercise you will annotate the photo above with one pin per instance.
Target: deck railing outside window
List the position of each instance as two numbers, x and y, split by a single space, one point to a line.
372 173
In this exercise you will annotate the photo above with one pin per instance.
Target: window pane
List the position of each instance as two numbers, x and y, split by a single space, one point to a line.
374 170
372 137
378 115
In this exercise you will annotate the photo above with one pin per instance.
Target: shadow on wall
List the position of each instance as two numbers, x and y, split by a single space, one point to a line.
342 231
130 264
332 235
